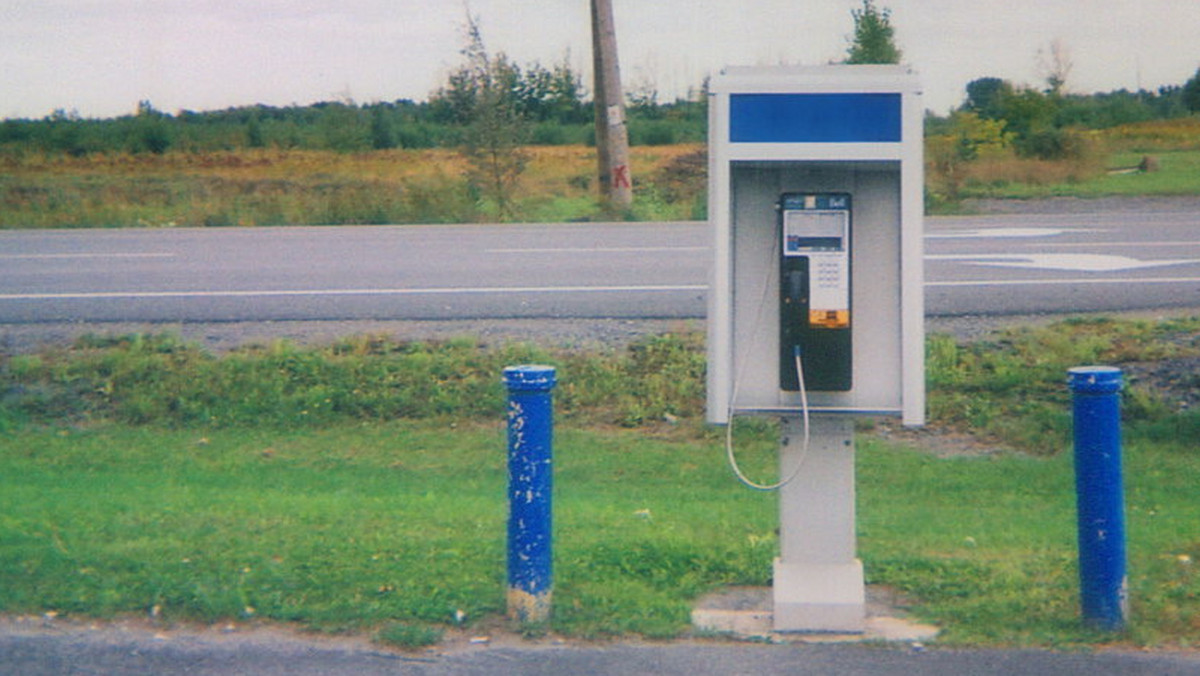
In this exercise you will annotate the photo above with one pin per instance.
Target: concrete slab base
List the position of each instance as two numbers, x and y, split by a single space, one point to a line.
748 613
819 597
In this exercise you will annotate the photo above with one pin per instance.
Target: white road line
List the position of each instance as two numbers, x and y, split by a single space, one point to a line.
44 256
99 295
1194 242
600 249
997 233
1050 282
433 291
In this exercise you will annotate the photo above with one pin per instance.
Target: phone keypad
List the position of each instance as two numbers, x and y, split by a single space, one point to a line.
829 274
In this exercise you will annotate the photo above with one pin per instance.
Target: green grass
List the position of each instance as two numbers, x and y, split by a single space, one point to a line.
987 544
389 518
159 379
410 636
1010 387
354 528
1178 174
351 527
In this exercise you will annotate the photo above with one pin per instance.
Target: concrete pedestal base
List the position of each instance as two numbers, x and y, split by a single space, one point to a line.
747 613
818 577
819 598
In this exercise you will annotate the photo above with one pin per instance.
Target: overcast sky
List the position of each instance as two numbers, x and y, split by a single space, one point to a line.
100 57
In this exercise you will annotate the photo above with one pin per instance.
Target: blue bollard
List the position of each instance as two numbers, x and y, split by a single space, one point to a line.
1100 495
530 474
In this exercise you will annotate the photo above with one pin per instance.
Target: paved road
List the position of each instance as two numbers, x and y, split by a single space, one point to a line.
50 654
975 265
426 272
1062 263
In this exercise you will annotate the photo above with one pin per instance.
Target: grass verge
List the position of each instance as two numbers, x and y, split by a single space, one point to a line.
304 187
1177 172
393 523
354 527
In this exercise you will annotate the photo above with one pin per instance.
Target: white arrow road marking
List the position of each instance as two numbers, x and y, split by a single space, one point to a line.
1072 262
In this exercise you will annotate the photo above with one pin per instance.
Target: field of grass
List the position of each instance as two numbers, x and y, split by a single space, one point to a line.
1154 136
1177 173
301 187
1107 166
325 488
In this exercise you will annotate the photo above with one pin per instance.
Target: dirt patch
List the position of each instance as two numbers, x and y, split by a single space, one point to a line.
939 441
1174 381
225 336
491 633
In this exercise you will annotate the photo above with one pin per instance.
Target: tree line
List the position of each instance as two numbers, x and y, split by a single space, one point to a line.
551 101
554 108
1043 123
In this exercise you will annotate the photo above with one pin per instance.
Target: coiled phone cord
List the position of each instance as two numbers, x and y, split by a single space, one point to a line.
733 397
733 463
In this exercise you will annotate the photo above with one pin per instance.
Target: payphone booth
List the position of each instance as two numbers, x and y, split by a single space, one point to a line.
816 305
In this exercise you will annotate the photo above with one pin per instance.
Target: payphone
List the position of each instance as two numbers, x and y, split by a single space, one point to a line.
814 292
816 303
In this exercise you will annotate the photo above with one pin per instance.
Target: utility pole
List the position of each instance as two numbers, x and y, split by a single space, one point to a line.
612 136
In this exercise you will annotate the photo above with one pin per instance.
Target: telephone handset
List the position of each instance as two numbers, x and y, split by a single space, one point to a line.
814 291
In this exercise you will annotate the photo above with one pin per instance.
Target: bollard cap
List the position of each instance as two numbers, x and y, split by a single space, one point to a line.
1094 379
529 377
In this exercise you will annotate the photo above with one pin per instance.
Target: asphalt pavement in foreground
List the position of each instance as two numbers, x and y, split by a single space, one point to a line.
46 649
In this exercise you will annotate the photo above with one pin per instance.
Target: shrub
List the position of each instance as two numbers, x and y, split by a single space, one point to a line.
652 133
1054 144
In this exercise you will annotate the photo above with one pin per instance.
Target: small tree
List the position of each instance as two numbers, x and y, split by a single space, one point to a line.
150 130
383 136
254 133
968 137
1056 66
343 127
484 97
987 97
551 94
1191 93
874 37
